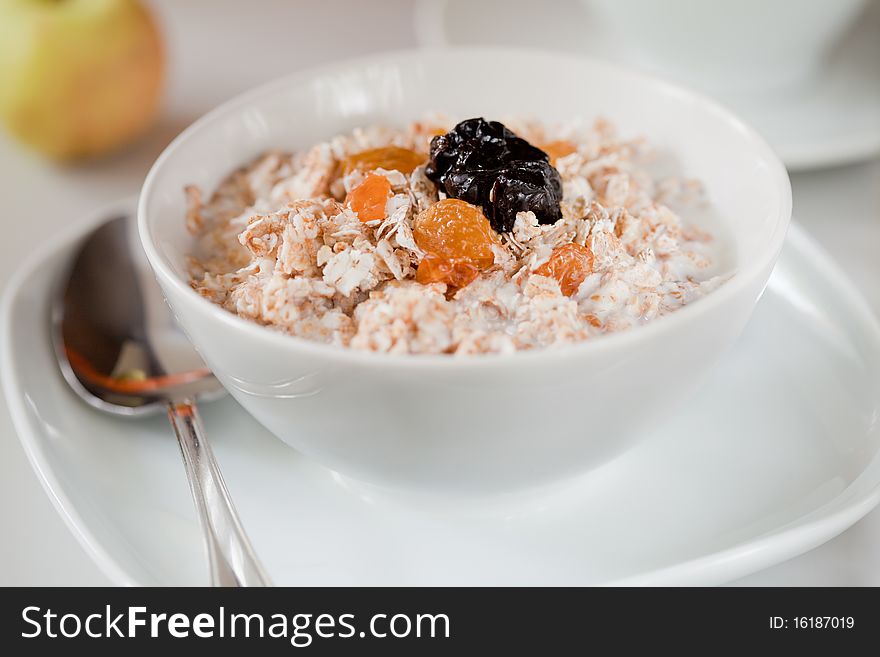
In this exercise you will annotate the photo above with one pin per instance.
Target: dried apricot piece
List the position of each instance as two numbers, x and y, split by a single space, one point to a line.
456 230
391 158
569 264
557 149
456 273
368 199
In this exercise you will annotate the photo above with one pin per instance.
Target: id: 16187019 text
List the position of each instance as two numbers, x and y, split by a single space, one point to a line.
812 623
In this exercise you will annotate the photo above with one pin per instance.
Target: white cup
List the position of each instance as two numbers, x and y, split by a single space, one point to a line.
729 45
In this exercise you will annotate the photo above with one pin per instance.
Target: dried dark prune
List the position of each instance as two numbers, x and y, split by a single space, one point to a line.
485 164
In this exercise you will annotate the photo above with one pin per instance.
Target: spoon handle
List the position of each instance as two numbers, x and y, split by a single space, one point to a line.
232 559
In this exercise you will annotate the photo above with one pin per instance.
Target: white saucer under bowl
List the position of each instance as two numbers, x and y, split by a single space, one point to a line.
778 452
833 119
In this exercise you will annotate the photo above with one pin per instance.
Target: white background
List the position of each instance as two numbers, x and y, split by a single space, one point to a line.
219 48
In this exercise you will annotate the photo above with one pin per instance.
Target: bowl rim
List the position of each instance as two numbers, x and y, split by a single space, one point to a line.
742 277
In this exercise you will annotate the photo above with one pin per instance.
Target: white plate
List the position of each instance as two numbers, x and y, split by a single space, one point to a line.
832 120
778 453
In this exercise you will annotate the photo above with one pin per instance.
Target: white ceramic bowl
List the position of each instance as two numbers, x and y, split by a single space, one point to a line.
478 423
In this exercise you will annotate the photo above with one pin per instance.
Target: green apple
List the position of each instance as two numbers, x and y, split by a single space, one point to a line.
78 77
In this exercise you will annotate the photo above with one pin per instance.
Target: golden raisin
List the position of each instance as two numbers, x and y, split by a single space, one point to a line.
456 230
368 199
456 273
557 149
391 158
569 264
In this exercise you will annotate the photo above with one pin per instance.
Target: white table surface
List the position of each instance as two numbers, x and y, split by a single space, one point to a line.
218 48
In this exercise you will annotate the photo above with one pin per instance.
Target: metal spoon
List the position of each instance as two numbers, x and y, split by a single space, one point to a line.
122 352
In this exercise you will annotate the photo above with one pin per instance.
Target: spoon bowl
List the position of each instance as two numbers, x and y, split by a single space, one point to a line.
117 342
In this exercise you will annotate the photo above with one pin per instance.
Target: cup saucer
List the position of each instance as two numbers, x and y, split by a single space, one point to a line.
832 119
778 452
